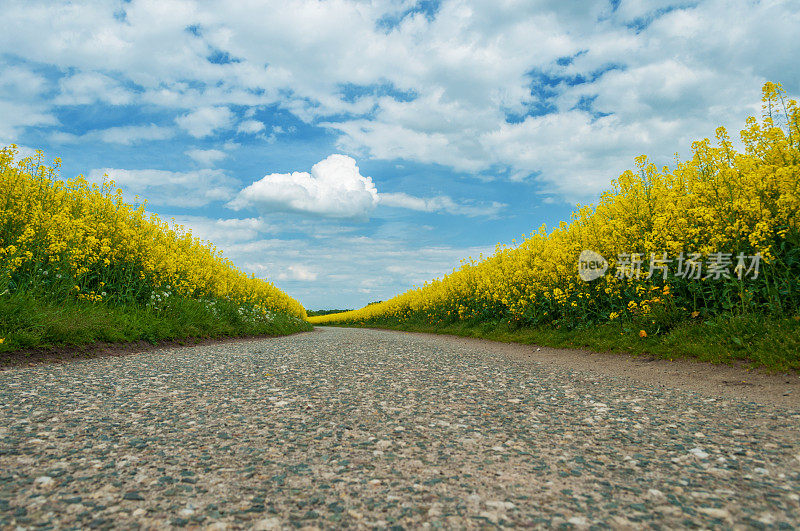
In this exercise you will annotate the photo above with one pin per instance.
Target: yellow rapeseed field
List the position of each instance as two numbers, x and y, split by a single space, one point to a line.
80 240
732 216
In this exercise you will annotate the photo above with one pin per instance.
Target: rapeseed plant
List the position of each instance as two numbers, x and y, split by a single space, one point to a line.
719 203
73 239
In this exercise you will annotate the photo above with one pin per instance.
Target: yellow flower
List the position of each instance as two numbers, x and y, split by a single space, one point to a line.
642 333
87 233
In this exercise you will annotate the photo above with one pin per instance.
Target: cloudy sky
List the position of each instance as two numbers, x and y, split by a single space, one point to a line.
348 149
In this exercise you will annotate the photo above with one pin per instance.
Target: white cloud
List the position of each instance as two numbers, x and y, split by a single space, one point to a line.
427 89
250 127
389 140
222 231
298 272
337 270
566 93
160 187
206 121
131 134
206 157
334 188
25 152
20 83
439 203
21 105
347 271
85 88
550 142
125 135
332 267
15 117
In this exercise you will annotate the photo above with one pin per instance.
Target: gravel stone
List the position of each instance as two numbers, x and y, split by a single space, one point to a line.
353 428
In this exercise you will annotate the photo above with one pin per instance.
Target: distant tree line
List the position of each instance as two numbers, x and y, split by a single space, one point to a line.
312 313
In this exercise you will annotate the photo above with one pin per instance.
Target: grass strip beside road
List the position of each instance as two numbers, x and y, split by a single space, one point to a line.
27 322
762 341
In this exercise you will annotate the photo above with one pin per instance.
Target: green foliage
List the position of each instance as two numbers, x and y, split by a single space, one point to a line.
28 322
324 312
78 265
768 341
721 211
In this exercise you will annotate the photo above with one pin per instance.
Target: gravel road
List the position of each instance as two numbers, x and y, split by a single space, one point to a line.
365 428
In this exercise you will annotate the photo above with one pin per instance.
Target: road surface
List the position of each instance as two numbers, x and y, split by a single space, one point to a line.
363 428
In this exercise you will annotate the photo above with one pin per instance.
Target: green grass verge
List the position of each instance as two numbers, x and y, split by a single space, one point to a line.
762 341
27 322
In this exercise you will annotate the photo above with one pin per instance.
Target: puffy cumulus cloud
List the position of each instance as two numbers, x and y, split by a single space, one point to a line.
84 88
334 188
206 121
385 140
20 82
550 142
21 102
439 203
224 231
298 272
16 117
125 135
206 157
601 86
168 188
452 88
250 127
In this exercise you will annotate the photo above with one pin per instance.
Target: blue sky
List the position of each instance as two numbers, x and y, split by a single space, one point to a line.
349 149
